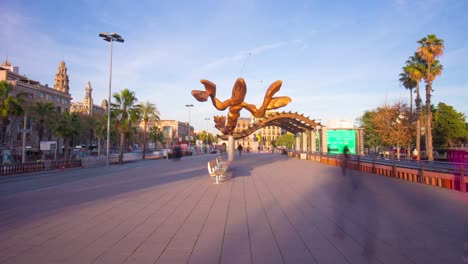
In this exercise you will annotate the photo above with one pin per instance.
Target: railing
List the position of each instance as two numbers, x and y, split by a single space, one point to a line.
60 164
448 175
9 169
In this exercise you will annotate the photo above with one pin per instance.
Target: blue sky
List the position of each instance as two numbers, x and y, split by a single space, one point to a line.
336 58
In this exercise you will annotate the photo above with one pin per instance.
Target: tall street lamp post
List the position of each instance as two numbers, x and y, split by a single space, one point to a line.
110 37
207 119
189 136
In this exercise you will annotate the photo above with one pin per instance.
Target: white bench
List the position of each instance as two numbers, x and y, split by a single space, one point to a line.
218 170
221 163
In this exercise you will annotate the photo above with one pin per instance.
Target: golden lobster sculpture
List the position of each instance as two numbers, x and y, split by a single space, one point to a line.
236 103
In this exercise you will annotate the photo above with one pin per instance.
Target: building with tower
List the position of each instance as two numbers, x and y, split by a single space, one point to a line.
87 107
61 82
34 91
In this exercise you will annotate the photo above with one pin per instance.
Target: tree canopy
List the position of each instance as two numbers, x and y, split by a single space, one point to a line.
285 140
450 128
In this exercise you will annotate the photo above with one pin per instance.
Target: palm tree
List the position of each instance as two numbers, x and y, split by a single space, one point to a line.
101 131
9 106
125 114
431 48
44 113
408 83
148 112
67 126
88 128
414 68
156 134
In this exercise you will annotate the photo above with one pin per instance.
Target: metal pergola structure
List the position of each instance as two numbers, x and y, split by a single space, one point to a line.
291 122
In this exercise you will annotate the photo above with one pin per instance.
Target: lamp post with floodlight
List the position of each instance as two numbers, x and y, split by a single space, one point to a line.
189 136
207 134
110 37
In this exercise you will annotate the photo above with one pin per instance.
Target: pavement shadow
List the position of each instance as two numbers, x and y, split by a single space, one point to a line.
25 200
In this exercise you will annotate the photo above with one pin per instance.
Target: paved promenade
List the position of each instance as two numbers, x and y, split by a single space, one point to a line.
275 210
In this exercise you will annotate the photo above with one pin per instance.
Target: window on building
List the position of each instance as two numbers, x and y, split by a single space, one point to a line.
50 97
58 99
41 95
59 109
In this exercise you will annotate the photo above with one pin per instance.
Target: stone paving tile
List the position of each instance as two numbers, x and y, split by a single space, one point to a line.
151 249
207 248
291 246
184 240
320 248
124 239
275 210
264 245
43 234
83 233
236 244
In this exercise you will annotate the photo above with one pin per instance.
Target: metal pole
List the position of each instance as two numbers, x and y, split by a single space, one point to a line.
207 119
109 106
189 127
23 153
189 105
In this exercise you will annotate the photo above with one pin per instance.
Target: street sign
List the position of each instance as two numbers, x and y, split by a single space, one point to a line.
48 145
338 139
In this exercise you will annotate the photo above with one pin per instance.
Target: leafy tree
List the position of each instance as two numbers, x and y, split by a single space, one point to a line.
149 112
449 127
156 134
286 140
125 113
273 143
9 106
66 127
88 132
372 139
429 50
101 131
45 115
206 137
394 125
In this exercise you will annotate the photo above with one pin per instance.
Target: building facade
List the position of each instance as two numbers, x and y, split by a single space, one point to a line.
261 138
87 107
242 124
179 130
34 91
266 135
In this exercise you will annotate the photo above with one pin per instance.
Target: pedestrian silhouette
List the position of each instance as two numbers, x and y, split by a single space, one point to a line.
239 149
344 165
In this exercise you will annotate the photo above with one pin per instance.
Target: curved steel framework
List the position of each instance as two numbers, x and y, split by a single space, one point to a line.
291 122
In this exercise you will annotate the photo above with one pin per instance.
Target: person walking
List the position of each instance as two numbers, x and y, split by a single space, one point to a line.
239 149
344 165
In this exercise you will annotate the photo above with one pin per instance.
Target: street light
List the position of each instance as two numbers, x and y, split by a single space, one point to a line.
189 105
207 119
110 37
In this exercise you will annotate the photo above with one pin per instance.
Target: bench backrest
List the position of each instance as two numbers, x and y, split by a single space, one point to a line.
211 166
219 160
